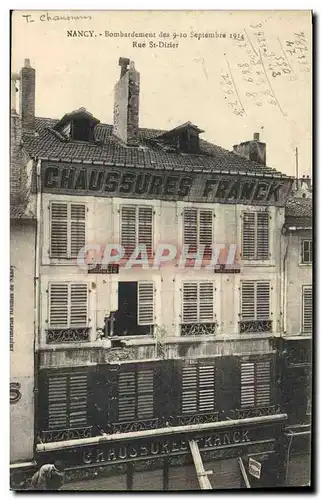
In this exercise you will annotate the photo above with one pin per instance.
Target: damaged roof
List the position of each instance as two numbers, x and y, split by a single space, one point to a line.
107 149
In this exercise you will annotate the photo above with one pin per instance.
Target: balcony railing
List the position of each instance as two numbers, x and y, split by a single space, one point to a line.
64 434
191 329
255 412
66 335
200 418
138 425
255 326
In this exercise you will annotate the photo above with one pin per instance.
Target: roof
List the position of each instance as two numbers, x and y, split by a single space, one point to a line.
107 149
19 212
298 213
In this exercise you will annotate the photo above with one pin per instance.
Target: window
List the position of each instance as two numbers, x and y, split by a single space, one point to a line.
11 307
198 388
136 228
67 229
68 305
307 309
197 308
81 130
198 229
306 251
135 314
255 236
255 384
136 395
67 401
255 306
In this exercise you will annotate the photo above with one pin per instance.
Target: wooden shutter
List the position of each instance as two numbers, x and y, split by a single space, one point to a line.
12 275
263 383
247 385
249 235
206 388
248 300
307 251
190 228
307 309
145 229
78 304
189 302
206 302
263 300
77 228
128 228
145 303
189 389
206 230
262 250
145 394
127 397
59 230
78 400
58 305
57 402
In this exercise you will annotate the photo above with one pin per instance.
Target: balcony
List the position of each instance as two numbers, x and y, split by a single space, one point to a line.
255 326
54 435
255 412
192 329
67 335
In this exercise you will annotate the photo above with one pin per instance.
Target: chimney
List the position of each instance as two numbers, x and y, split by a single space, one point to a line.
126 104
27 97
253 150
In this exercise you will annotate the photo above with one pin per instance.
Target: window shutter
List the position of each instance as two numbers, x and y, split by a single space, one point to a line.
145 390
57 403
247 385
307 309
127 396
190 229
263 383
248 300
249 243
307 251
145 303
190 303
58 305
206 302
77 228
263 300
128 228
145 232
206 387
78 304
189 389
262 236
78 400
11 307
205 227
59 230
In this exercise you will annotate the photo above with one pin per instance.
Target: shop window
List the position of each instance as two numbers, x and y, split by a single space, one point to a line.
67 229
12 275
307 309
137 229
255 384
255 307
198 315
198 229
306 251
136 395
198 389
255 241
135 315
68 312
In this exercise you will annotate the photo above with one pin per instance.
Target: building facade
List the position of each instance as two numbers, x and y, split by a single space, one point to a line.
148 372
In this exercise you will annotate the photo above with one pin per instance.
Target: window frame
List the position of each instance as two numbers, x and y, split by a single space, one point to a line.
68 256
303 328
197 390
310 251
198 211
256 385
137 208
254 260
136 373
198 283
69 284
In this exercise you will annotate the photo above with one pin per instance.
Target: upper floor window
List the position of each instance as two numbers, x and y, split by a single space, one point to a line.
136 228
198 315
306 252
255 236
68 305
198 229
12 275
255 307
255 384
307 309
198 388
135 395
67 229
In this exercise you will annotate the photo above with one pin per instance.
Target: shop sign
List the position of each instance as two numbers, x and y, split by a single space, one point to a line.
254 468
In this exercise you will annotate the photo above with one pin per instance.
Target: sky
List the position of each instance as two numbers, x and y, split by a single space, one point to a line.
232 73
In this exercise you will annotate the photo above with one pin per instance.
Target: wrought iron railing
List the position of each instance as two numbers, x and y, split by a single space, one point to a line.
66 335
138 425
191 329
255 412
64 434
255 326
201 418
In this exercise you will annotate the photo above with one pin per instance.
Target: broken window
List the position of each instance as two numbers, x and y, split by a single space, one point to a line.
135 314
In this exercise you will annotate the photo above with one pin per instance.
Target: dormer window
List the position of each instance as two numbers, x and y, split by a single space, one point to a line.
184 139
77 126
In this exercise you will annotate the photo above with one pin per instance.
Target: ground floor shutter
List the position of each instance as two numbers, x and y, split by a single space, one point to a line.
226 474
299 472
183 478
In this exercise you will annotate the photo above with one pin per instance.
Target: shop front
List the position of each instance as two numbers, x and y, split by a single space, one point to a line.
161 459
